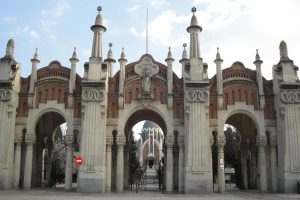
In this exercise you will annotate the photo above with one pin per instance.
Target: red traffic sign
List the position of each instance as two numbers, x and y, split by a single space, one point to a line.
78 160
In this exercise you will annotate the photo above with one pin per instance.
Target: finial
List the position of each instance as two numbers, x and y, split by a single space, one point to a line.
10 48
257 57
169 53
194 10
110 53
184 53
99 9
123 54
74 53
218 54
36 54
283 51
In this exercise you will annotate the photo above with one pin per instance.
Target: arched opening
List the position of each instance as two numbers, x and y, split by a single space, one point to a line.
49 151
145 131
240 153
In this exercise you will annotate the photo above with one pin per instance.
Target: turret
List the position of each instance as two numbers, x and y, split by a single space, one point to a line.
73 60
110 61
183 61
196 64
169 61
259 80
122 62
219 77
33 77
95 70
98 28
194 29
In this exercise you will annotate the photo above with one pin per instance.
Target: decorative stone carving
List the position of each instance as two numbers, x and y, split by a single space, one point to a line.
197 95
93 95
69 139
18 139
29 139
169 141
181 141
146 69
289 96
109 140
120 140
261 140
273 141
5 95
221 141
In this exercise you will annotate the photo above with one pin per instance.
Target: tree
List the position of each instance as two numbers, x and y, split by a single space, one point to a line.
135 170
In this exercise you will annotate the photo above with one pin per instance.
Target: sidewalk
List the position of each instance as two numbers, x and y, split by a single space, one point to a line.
60 194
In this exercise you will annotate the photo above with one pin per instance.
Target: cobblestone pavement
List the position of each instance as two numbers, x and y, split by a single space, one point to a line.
59 194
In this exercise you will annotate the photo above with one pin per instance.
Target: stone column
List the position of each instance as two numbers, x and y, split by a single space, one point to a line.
109 142
274 162
169 181
29 139
244 154
126 167
69 162
253 167
181 164
120 163
17 162
221 140
261 142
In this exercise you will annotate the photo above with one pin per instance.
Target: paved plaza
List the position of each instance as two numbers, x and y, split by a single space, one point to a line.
60 194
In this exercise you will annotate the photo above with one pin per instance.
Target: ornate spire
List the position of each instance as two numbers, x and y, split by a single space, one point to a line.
194 20
10 48
184 53
194 30
283 51
169 57
257 57
218 56
123 57
99 20
35 56
74 56
110 53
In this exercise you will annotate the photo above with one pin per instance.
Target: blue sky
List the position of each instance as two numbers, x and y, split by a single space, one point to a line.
237 27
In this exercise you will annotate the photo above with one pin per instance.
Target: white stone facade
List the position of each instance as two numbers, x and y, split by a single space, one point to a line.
191 111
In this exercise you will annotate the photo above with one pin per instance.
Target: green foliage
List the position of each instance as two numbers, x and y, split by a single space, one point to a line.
135 170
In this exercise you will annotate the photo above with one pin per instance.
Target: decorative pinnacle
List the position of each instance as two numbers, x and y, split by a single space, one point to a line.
110 53
36 54
110 45
218 54
123 54
169 53
99 9
257 57
184 53
194 9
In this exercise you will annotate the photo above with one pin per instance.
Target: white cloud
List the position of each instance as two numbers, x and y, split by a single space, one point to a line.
34 35
163 29
157 2
9 19
61 6
133 8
